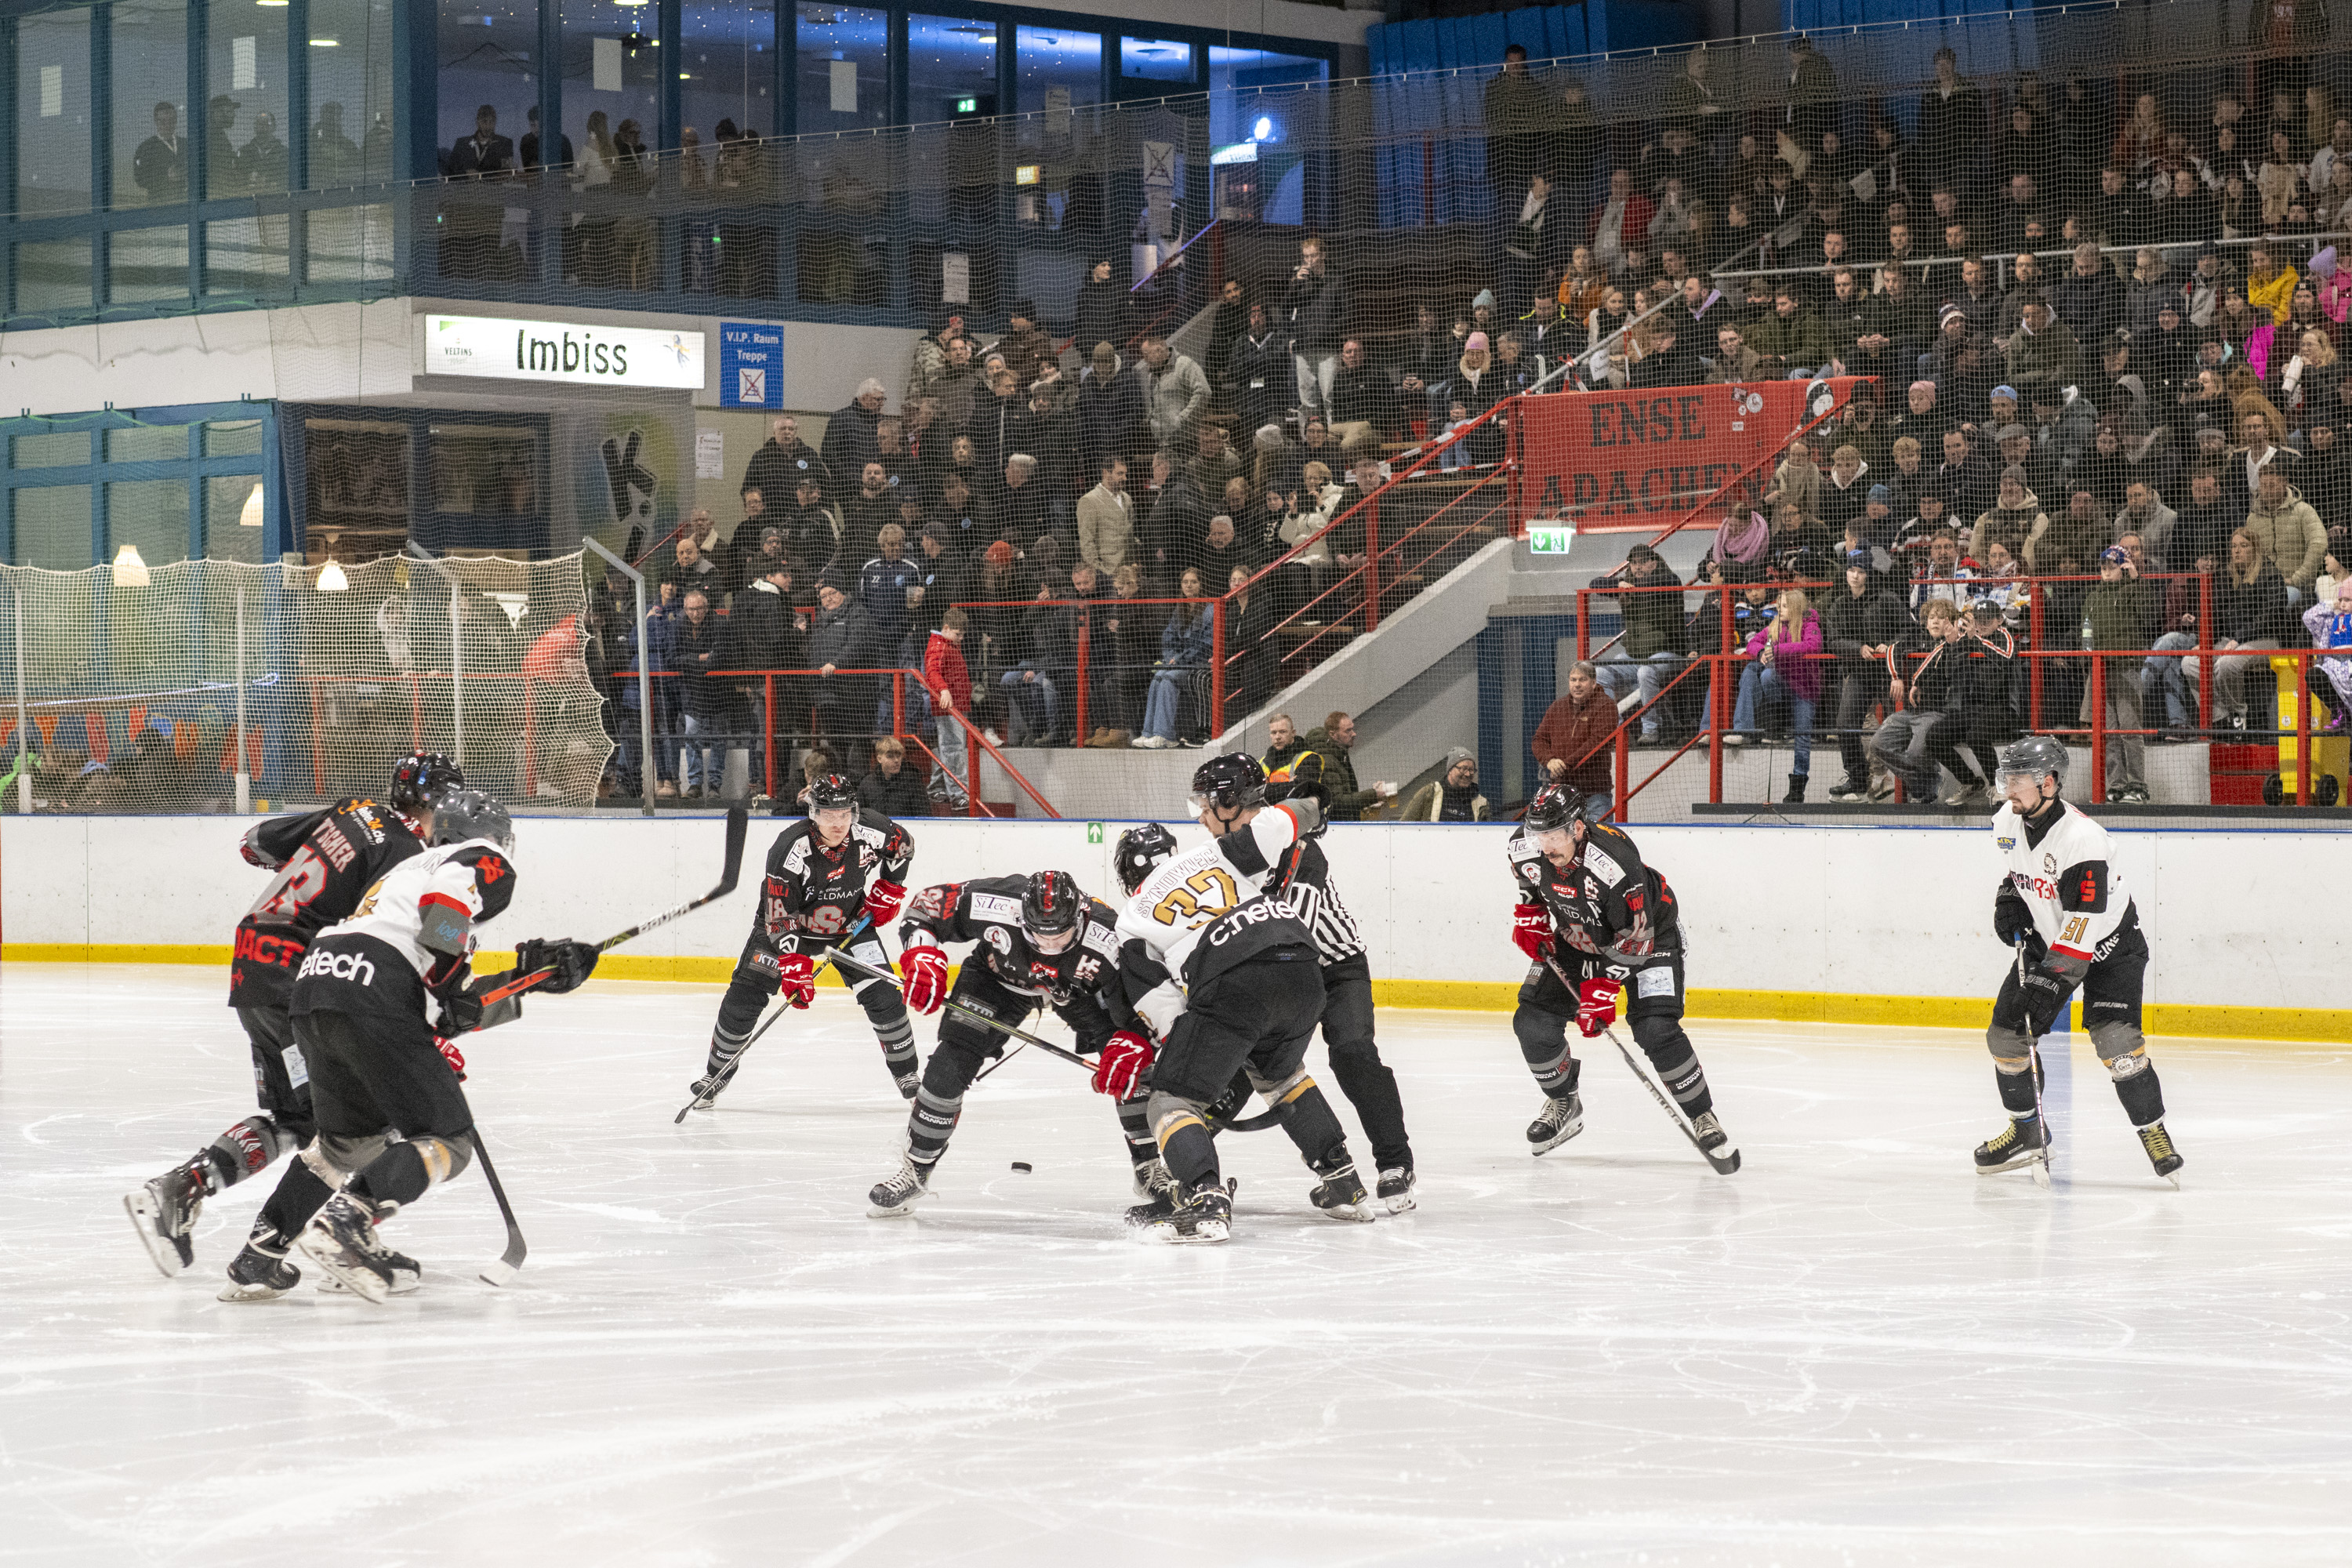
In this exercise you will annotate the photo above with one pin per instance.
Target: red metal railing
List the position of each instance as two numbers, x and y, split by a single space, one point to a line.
1084 667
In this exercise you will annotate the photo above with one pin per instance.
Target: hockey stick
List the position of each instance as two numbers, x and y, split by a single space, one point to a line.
844 962
727 1074
738 827
503 1271
2034 1071
1673 1113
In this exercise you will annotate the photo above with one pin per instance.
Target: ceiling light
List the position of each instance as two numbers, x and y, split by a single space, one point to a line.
273 3
251 516
326 43
331 579
129 571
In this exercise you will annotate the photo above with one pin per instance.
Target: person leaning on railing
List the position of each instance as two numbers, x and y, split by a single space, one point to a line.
2120 612
1570 743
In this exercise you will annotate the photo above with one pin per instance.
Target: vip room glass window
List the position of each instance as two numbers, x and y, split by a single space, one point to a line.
245 115
154 134
726 70
53 111
350 55
1155 59
842 67
488 53
950 68
612 90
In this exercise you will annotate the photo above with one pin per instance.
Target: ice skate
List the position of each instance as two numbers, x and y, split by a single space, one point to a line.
1395 1190
909 1082
341 1239
1560 1121
408 1274
1340 1194
257 1275
163 1212
899 1192
713 1083
1715 1143
2160 1151
1206 1215
1152 1180
2018 1144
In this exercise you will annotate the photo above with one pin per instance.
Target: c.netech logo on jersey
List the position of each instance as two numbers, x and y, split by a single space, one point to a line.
351 966
587 355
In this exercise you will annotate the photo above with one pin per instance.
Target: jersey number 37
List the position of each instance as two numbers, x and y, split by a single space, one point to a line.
1181 907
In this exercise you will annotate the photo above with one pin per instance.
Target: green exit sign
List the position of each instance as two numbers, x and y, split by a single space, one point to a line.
1551 538
966 105
1094 832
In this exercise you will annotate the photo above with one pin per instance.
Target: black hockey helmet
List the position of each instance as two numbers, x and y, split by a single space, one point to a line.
1553 810
420 778
1139 853
2031 757
462 813
1051 904
1233 782
831 792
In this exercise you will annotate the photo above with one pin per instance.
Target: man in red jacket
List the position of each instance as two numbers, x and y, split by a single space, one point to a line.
949 681
1570 745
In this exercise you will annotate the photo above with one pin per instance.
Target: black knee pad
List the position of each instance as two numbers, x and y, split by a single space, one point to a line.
739 1011
1542 1036
952 1067
885 1005
1663 1041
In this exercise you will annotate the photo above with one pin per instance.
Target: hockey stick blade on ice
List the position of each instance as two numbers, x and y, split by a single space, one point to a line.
503 1271
1720 1167
727 1074
738 827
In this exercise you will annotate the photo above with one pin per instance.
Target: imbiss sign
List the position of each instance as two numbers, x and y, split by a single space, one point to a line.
504 350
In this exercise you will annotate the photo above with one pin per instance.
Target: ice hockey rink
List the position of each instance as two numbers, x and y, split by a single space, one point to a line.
1855 1351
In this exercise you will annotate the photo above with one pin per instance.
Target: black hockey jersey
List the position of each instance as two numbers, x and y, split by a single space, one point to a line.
1609 904
326 861
987 910
813 894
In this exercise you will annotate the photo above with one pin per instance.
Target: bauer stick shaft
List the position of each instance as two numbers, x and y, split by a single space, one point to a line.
504 1269
2033 1072
738 827
727 1074
843 960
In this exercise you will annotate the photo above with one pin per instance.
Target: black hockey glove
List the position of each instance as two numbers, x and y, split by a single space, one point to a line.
2045 999
574 962
461 1012
2012 923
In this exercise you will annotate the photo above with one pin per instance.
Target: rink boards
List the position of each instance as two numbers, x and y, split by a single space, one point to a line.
1866 925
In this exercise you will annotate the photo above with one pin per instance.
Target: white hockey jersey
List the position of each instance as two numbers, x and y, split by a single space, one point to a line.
2066 878
412 935
1199 915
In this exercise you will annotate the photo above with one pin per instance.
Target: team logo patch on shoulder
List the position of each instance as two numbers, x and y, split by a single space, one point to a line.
998 938
1102 938
1603 867
2050 865
2006 843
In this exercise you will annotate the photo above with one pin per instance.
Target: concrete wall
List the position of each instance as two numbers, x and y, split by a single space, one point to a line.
1857 923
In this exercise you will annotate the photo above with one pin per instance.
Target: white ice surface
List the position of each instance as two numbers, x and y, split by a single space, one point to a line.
1855 1351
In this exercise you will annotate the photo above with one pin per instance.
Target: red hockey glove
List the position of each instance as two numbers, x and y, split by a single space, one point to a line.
452 1054
796 977
1532 930
1596 1005
884 901
1124 1061
925 969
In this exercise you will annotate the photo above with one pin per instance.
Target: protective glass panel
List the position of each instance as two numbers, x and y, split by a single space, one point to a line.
51 449
53 112
350 55
147 263
488 51
147 444
52 528
154 134
244 119
844 68
230 499
53 277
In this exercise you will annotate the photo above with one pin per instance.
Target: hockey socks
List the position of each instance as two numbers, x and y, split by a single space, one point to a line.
2017 1089
246 1149
2138 1088
300 1194
1679 1070
897 1038
1543 1040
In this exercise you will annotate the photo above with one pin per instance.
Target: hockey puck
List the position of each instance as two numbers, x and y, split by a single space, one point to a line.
1022 1165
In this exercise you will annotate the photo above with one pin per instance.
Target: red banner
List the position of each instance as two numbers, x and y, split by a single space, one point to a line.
1641 459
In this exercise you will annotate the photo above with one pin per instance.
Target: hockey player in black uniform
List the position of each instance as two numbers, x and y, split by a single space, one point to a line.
2063 910
1302 876
325 861
377 1004
1041 942
1224 978
814 897
1590 909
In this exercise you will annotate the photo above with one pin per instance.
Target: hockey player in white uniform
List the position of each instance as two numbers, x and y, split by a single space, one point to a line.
1223 977
379 1002
2065 910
